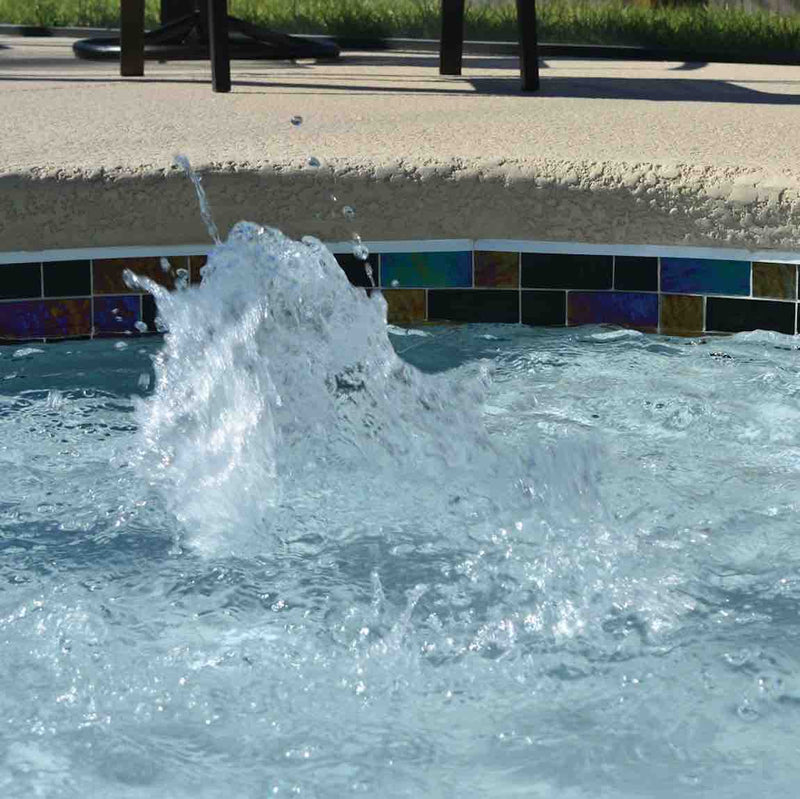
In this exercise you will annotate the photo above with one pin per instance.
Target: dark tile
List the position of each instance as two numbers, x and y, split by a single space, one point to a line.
149 312
549 271
107 273
405 306
634 273
614 308
544 308
497 270
67 318
704 276
469 305
426 269
356 271
67 279
196 263
22 320
732 316
116 314
681 314
20 281
774 280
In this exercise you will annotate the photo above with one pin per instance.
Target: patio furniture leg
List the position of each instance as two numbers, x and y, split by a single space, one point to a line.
218 37
131 34
451 45
528 49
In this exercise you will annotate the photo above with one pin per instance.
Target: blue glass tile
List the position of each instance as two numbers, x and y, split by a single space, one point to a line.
704 276
614 308
22 319
426 270
116 314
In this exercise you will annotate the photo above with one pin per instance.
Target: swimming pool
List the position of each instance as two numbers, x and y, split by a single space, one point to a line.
290 551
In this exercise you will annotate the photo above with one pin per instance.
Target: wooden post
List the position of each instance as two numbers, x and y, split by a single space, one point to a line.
131 38
218 44
451 44
528 48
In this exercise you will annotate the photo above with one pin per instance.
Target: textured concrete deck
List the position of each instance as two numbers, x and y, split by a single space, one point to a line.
635 153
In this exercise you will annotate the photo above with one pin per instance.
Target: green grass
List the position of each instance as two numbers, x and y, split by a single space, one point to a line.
612 22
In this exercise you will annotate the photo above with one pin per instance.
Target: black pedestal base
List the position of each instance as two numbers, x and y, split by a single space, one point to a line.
187 39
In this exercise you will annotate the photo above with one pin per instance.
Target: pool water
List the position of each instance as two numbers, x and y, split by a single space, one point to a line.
290 551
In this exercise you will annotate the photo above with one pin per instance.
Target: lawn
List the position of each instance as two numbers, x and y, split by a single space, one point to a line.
612 22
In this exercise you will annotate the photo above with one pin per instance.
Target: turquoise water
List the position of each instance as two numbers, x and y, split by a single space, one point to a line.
287 550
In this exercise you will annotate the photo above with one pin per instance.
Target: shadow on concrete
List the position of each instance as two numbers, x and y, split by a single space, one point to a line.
324 78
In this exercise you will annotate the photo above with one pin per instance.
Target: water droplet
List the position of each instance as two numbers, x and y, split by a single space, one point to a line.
395 283
120 345
140 326
313 161
117 318
296 120
361 251
115 310
334 198
55 399
182 279
349 212
165 264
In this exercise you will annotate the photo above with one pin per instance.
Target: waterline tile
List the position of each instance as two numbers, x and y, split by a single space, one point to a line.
467 305
426 270
627 309
559 271
727 315
704 276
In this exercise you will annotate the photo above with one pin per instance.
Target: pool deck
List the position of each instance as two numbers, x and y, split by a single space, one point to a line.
609 152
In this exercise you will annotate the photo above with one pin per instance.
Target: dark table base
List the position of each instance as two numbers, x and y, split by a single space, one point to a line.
187 38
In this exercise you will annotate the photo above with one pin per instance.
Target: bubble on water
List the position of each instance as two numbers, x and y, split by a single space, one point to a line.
25 352
120 345
312 161
141 326
296 120
349 212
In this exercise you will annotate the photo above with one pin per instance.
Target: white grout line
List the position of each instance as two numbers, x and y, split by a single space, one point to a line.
426 245
96 253
652 250
415 246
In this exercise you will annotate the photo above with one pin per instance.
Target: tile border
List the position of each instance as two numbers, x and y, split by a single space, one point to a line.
437 278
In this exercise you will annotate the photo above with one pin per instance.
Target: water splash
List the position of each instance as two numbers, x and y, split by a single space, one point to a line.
205 212
276 372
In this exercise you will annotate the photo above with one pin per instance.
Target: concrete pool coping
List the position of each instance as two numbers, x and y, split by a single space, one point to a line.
645 153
